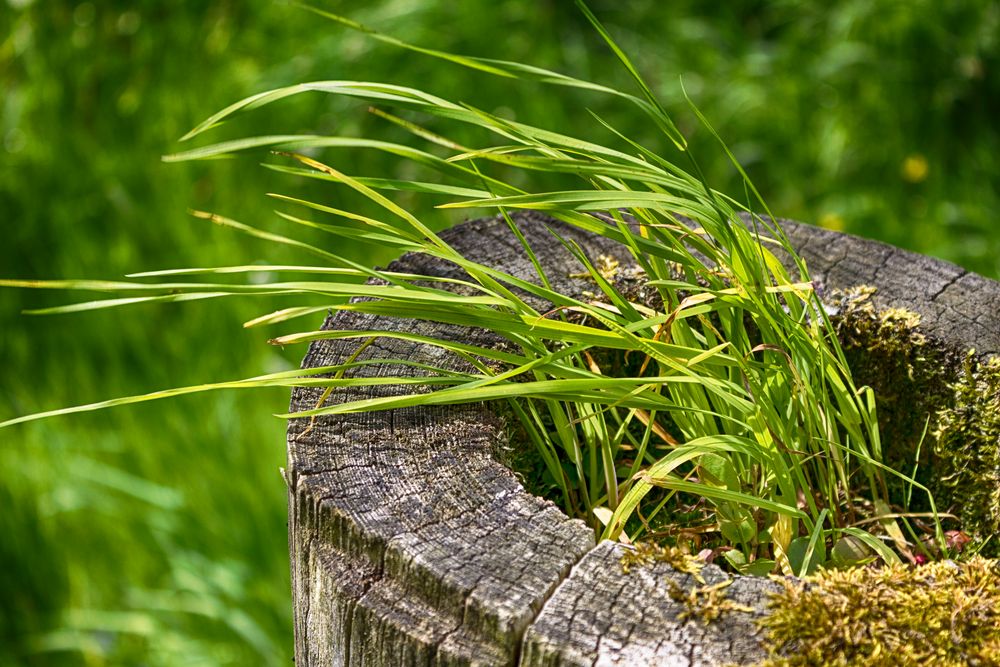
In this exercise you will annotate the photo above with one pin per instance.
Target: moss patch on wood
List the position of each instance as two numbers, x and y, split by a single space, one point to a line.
705 603
645 554
967 436
943 613
909 374
927 392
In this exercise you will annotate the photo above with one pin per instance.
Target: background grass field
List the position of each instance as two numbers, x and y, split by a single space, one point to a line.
156 535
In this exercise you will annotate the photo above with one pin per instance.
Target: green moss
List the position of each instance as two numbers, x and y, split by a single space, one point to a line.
923 388
909 374
645 554
942 613
967 437
705 603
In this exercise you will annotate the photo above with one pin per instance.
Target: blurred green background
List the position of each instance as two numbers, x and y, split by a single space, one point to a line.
156 535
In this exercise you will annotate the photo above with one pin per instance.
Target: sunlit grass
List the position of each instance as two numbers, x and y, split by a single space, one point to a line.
742 376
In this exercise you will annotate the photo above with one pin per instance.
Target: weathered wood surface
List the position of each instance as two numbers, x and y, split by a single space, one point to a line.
411 544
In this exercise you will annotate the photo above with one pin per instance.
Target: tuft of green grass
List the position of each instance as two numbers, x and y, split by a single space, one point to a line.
740 420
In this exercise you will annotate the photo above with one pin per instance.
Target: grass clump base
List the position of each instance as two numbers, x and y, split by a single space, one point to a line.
942 613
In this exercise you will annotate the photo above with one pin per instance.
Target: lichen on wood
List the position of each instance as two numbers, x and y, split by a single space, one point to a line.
602 616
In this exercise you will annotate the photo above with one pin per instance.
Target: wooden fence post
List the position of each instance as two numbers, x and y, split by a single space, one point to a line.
411 543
